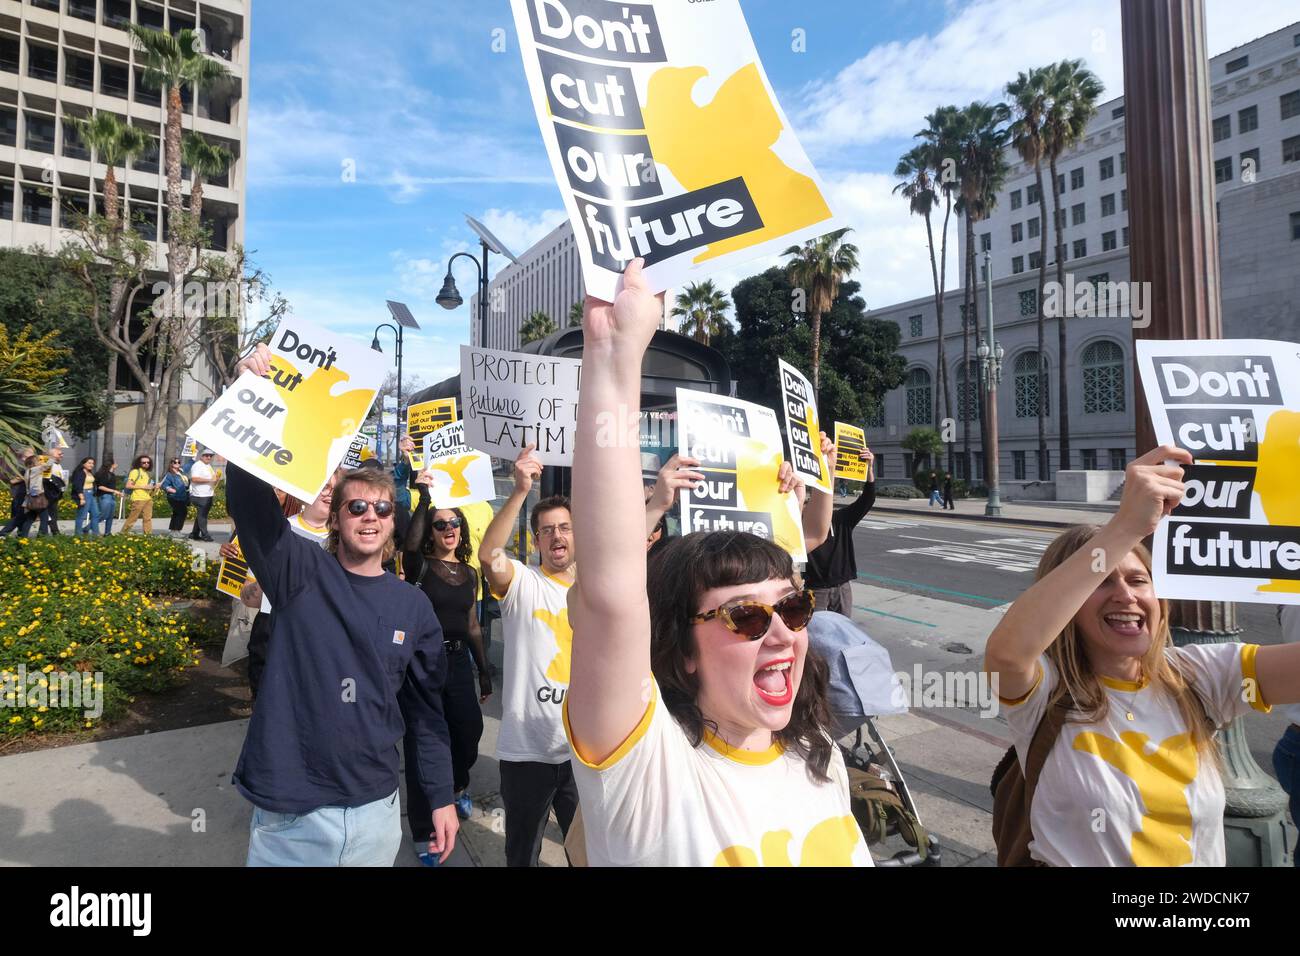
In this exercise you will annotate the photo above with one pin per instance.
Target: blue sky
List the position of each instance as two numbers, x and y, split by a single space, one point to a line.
435 119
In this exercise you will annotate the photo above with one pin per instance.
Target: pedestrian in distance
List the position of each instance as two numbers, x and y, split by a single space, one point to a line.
936 498
106 490
141 486
203 486
1132 777
82 487
17 490
947 492
54 483
176 486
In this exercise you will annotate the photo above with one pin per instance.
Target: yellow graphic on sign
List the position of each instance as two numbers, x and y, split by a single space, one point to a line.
728 138
1161 777
309 431
849 443
455 469
829 843
756 480
558 669
233 573
1275 479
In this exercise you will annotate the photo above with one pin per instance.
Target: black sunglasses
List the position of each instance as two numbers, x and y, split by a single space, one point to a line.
359 506
751 619
442 524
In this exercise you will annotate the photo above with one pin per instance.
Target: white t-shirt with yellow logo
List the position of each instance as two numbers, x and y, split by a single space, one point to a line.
538 640
658 801
1136 792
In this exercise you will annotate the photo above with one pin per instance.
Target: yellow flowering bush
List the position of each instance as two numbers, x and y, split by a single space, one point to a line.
72 609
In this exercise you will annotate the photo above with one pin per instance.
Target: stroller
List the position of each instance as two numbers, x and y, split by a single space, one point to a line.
862 687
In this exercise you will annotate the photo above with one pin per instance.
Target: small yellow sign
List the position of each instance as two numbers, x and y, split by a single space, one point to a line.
849 444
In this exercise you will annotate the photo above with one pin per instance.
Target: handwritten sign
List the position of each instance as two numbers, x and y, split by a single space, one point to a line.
738 446
850 442
1235 405
424 418
293 428
665 137
461 475
799 402
509 400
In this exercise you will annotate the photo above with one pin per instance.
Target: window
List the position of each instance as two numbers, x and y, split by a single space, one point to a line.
1018 464
1248 119
46 4
144 93
1078 214
8 53
1035 260
1103 378
117 13
1108 205
1123 163
1076 178
1118 459
1058 219
6 200
1031 193
1249 164
1080 248
1125 236
917 385
1123 200
149 16
1291 149
73 147
72 205
876 419
986 242
1017 232
1017 265
8 127
968 402
42 62
1030 381
1089 456
1029 302
1015 199
40 132
82 9
1107 167
1060 184
1295 226
914 321
112 78
1117 113
1240 63
79 71
1033 225
1108 241
1290 104
1222 170
1221 127
37 204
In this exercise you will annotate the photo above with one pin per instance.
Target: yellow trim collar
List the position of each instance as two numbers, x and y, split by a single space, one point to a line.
750 758
622 749
1249 679
1125 686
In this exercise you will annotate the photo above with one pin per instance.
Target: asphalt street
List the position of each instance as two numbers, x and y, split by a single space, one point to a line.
935 586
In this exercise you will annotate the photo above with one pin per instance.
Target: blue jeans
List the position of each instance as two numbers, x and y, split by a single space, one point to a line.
368 835
107 508
1286 764
89 510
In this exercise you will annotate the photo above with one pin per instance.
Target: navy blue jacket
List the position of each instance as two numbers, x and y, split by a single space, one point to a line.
352 663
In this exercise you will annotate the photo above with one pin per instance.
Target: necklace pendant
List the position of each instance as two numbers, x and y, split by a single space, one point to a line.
1129 715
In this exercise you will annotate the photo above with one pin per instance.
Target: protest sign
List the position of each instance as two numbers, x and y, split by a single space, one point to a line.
54 438
1235 405
461 475
293 428
233 573
850 442
358 451
657 433
424 418
665 138
738 446
512 399
191 449
799 401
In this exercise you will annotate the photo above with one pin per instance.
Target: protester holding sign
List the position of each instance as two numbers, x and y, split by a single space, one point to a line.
356 661
833 567
1091 637
697 717
437 560
533 755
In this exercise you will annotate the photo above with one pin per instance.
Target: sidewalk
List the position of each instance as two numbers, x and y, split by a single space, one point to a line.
1045 514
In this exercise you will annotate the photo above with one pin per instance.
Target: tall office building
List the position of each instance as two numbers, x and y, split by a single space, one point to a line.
67 59
1255 113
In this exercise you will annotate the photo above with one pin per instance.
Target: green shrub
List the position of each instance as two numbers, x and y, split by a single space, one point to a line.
898 491
161 506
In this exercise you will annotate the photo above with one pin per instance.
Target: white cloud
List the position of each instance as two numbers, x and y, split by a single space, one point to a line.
520 232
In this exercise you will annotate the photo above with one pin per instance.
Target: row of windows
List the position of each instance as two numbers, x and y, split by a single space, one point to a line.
550 283
1078 215
1110 241
1103 366
1105 169
117 13
1248 118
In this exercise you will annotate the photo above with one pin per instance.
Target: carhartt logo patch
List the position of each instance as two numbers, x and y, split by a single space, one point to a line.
399 637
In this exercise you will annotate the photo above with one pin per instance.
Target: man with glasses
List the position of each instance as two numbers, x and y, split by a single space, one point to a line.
356 661
532 751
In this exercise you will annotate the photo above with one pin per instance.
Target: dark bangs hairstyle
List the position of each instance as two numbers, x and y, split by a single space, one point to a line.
464 550
679 574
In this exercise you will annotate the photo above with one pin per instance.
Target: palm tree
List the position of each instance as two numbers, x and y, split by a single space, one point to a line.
205 160
1072 95
1029 105
818 267
538 326
982 171
575 315
703 310
171 62
114 143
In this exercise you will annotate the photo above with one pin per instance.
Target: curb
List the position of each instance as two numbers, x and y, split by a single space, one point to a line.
1028 522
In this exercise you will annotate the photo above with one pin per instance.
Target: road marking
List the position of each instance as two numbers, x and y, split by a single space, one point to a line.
896 617
966 554
928 587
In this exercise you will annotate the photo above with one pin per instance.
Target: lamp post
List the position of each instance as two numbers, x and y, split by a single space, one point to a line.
404 320
449 297
990 358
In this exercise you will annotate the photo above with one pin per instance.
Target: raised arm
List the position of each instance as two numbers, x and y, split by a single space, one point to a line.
412 553
490 550
1152 489
853 513
608 607
819 510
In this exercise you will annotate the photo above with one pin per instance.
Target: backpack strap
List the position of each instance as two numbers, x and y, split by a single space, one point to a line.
1044 739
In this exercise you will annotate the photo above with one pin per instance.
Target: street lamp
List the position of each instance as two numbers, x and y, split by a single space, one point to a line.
449 297
404 319
990 358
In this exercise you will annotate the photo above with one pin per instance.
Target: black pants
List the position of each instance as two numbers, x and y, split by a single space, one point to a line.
201 508
17 511
50 517
464 718
259 639
179 510
947 501
529 790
